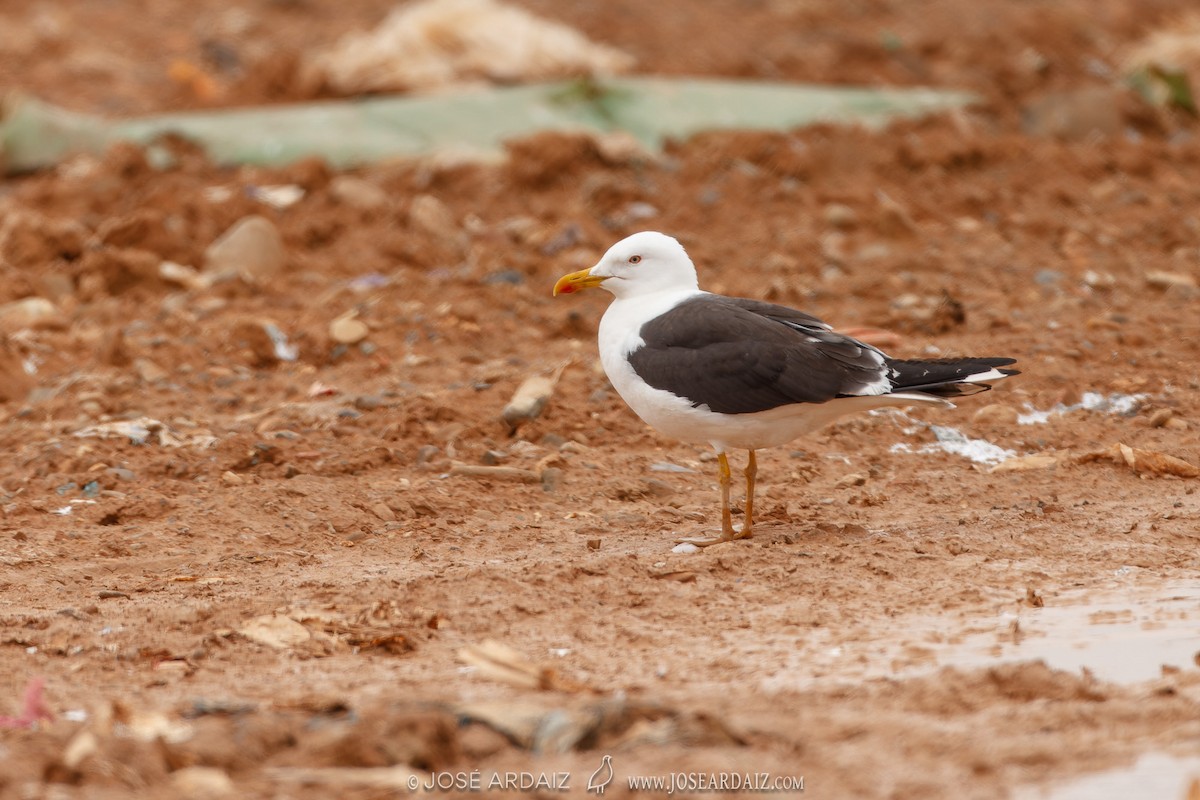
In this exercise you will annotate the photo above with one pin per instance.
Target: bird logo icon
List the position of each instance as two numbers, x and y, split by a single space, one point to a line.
602 777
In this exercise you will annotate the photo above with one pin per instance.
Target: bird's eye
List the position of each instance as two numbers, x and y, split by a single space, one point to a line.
634 259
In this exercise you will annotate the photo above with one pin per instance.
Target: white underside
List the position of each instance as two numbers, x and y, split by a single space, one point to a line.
675 417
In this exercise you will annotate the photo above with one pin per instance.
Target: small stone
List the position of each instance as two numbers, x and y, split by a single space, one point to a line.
1176 424
368 402
427 453
840 215
183 275
593 544
148 371
382 511
230 478
120 473
852 479
510 276
529 399
251 248
659 487
996 414
29 312
358 193
553 441
493 457
685 548
348 330
551 479
202 783
1160 417
432 216
1170 280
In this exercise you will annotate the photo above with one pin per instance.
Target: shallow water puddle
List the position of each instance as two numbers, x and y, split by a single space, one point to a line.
1154 775
1122 636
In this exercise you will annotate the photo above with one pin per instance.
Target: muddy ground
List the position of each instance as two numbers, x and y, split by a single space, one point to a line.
245 576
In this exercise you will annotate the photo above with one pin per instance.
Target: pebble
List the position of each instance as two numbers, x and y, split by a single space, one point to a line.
368 402
29 312
509 276
593 544
384 513
1170 280
686 548
432 216
659 488
852 479
493 457
252 248
551 479
230 478
202 783
148 371
840 215
120 473
1160 417
348 330
358 193
529 399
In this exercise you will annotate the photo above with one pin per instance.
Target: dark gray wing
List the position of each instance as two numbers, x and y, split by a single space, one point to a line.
739 356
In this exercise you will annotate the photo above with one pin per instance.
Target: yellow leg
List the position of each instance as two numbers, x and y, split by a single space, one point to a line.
751 474
725 478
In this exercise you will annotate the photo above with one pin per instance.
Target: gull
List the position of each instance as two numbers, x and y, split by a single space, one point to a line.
736 373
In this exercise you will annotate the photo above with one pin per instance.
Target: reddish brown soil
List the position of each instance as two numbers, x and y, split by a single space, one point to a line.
805 651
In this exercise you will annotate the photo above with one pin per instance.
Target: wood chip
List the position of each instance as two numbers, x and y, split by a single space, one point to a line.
1026 463
496 473
530 398
502 663
678 575
1143 462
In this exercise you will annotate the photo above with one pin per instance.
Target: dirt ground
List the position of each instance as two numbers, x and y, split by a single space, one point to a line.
251 577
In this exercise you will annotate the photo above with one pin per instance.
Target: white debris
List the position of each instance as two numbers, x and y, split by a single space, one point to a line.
980 451
949 440
1120 405
278 197
440 43
686 548
283 350
666 466
144 429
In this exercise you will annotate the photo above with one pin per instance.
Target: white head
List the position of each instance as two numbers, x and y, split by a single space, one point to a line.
640 264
